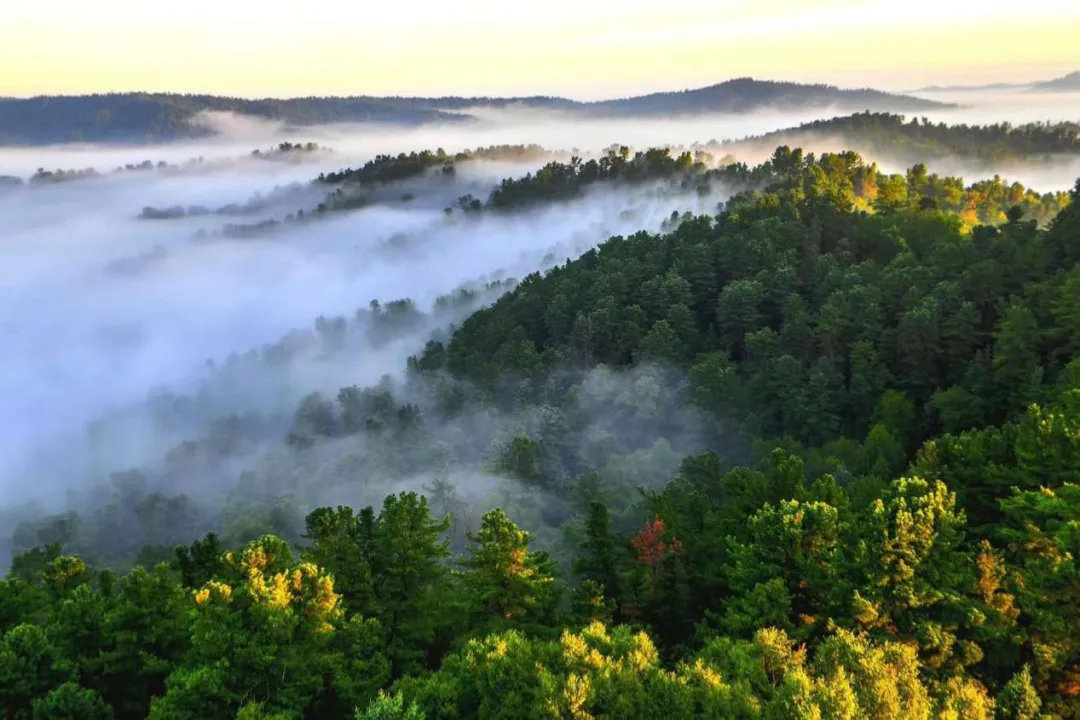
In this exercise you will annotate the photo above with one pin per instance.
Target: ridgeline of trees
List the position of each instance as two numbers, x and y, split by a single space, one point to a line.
886 523
888 135
864 185
355 184
556 181
983 202
389 168
286 148
564 180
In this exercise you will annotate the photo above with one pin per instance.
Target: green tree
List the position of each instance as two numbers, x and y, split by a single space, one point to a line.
261 637
1042 528
520 458
1017 365
1018 700
71 702
28 669
410 578
390 707
502 578
597 561
738 311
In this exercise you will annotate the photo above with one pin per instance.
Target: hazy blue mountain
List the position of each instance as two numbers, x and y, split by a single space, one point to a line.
974 88
149 117
1064 83
745 94
161 116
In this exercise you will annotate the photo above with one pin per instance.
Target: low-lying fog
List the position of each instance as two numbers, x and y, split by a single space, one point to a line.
979 107
102 307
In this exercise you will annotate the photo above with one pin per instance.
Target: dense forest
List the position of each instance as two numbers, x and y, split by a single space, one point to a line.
864 184
812 456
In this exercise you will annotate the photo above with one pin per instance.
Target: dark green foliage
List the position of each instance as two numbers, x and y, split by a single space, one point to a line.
884 522
562 181
71 702
388 566
388 168
598 559
200 562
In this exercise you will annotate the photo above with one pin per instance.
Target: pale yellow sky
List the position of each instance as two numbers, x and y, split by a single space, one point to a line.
579 48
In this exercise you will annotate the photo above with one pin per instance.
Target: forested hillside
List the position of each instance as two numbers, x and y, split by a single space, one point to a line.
885 135
812 456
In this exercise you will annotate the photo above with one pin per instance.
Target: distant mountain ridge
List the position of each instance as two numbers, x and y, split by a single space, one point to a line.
743 94
1065 83
149 117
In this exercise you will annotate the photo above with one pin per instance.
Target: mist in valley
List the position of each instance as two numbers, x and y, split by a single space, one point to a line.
131 342
127 337
579 360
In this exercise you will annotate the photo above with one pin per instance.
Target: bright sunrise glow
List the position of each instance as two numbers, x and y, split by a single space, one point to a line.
582 49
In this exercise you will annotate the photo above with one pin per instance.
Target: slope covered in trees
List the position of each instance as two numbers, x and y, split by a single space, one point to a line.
884 522
771 275
885 135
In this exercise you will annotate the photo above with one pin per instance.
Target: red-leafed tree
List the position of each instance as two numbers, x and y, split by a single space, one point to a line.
650 546
662 589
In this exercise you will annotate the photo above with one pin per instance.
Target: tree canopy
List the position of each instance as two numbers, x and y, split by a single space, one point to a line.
814 456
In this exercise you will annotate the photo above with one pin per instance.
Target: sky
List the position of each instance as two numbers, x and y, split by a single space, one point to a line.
577 48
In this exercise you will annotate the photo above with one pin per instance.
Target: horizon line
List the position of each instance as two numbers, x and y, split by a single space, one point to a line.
461 96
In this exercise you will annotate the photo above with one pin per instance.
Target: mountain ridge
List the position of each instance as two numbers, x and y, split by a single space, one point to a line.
1066 83
151 117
